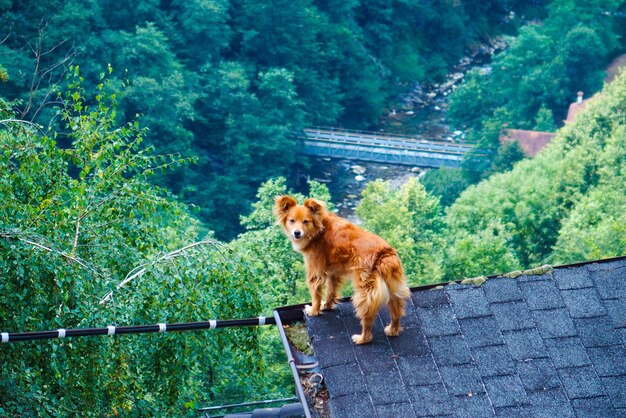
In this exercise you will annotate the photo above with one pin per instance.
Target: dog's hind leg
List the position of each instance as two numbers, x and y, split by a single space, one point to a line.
396 311
330 297
391 269
371 293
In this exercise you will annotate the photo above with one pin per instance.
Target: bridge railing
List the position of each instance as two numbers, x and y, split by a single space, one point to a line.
384 142
379 134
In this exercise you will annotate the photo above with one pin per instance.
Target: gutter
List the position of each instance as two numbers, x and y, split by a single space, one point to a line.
292 364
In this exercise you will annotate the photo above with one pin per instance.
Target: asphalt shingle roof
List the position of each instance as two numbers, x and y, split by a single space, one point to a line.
544 346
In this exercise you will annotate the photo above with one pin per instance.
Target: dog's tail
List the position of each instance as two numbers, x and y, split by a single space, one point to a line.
390 268
385 283
374 293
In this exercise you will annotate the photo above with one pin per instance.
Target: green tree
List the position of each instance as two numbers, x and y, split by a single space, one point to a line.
164 93
581 50
445 183
548 205
484 253
410 220
73 222
595 227
478 163
472 98
204 28
508 154
529 202
250 136
544 121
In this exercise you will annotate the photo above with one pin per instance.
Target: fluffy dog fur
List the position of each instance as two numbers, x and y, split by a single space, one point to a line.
334 250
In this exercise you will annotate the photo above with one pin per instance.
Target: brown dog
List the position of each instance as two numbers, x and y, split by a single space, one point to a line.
335 249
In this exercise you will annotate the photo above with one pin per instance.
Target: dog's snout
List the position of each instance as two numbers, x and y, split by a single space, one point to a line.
297 233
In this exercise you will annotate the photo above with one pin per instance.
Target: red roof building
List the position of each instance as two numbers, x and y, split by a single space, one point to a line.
576 107
531 142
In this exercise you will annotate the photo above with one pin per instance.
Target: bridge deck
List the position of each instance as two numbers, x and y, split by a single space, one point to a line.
383 148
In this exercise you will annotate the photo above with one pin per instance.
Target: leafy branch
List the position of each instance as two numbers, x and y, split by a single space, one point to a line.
181 252
41 73
48 248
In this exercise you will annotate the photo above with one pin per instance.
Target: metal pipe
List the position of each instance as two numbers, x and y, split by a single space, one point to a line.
236 405
135 329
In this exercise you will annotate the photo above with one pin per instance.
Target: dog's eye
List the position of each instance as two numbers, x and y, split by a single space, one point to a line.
291 221
305 222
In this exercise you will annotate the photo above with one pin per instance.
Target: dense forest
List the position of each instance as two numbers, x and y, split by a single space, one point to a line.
142 145
229 82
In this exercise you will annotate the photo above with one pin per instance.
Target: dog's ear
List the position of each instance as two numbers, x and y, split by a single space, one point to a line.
283 204
314 206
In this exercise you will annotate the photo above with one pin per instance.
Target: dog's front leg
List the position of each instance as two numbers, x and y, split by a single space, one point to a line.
315 284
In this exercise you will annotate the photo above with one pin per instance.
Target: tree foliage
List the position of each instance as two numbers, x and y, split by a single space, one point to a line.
484 252
73 223
232 81
565 205
595 227
530 84
445 183
410 220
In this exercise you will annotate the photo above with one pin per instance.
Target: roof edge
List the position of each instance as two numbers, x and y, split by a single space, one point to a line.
291 313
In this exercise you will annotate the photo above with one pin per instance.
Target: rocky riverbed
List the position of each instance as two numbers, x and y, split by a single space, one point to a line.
420 109
347 179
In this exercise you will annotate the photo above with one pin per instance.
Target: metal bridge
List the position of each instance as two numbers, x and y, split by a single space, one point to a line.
382 147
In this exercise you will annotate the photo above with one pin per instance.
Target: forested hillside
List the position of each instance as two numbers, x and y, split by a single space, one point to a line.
532 83
230 81
565 205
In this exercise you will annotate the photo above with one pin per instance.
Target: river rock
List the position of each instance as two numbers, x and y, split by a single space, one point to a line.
457 76
357 169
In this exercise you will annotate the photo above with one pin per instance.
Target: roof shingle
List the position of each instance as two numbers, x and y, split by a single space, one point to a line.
549 345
